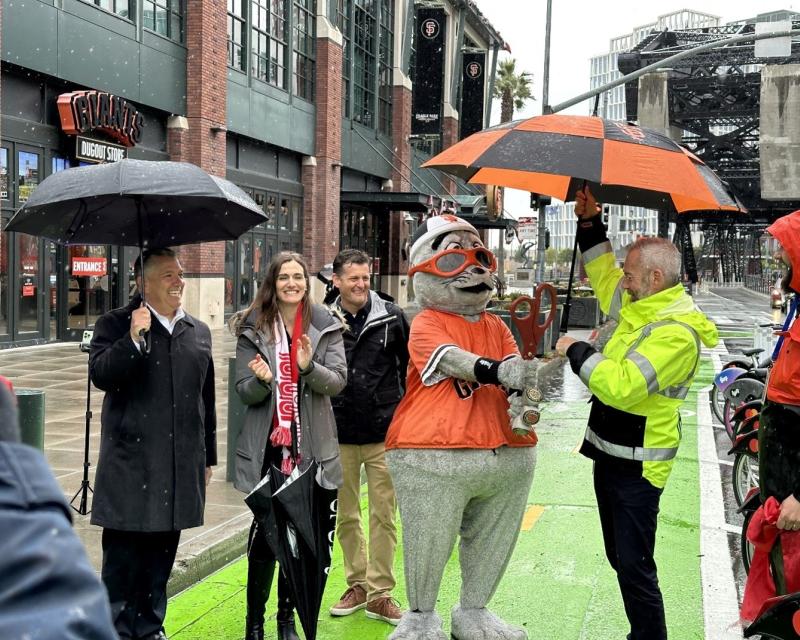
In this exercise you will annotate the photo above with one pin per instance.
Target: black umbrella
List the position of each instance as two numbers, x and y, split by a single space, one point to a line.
779 618
137 203
298 520
309 511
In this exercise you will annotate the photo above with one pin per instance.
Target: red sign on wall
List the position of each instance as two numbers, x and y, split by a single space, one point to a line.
28 290
82 266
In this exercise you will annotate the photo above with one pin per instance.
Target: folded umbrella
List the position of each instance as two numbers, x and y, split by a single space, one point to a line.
306 517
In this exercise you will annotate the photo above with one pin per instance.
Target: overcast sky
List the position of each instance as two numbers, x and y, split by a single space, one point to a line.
581 29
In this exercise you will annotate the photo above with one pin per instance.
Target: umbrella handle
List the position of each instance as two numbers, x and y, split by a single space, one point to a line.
144 342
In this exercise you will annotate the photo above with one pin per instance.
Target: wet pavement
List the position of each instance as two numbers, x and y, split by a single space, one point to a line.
61 371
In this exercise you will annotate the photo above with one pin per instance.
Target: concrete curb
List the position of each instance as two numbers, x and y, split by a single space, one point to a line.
189 570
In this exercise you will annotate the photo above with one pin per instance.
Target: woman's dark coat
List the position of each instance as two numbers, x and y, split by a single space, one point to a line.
158 424
318 426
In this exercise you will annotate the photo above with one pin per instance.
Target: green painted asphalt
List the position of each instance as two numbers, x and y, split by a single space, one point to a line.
558 584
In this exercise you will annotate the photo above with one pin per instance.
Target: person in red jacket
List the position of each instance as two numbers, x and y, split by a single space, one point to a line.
779 432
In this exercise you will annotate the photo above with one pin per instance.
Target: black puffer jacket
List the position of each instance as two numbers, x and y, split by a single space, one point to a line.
376 374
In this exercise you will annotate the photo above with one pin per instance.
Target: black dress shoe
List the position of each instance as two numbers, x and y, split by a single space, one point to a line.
158 635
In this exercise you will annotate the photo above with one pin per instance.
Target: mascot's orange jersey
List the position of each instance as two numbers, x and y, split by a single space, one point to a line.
439 412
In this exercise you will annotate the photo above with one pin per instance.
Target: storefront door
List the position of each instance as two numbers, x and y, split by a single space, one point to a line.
85 288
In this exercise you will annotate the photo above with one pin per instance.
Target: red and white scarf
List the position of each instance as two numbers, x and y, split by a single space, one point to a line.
287 415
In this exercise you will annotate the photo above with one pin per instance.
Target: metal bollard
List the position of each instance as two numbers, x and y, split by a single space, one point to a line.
236 409
30 405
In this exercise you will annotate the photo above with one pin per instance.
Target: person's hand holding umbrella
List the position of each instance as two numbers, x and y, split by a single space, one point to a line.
140 322
586 206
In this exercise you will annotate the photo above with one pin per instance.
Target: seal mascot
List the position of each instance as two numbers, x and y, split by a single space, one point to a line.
458 467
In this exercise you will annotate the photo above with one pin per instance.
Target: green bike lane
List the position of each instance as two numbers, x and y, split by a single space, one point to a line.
558 584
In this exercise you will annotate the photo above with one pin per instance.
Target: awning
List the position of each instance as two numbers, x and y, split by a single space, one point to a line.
470 207
391 200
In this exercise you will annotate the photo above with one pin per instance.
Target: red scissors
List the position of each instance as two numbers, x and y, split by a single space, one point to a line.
527 324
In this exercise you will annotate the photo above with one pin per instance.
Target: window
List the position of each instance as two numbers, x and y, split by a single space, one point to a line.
343 12
4 175
303 53
165 17
385 52
268 43
364 62
237 28
120 7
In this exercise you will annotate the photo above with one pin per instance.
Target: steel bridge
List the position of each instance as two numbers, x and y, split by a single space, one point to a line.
714 100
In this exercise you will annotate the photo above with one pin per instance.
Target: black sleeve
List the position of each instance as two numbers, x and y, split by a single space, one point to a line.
578 353
210 425
402 348
591 232
113 357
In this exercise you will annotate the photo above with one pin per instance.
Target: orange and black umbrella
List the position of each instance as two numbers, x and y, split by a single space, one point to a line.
556 155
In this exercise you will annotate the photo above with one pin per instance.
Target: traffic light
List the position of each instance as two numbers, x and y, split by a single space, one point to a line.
547 238
605 214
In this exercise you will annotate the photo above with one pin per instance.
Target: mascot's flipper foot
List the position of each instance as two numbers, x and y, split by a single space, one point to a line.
482 624
419 625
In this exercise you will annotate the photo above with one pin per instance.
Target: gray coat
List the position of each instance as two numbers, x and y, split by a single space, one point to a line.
318 426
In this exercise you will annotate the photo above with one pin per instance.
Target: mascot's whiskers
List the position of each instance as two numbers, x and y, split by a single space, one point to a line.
457 466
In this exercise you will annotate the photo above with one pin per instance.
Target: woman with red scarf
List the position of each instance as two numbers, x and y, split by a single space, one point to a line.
289 361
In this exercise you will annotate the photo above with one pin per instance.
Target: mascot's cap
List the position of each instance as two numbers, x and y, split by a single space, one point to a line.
436 226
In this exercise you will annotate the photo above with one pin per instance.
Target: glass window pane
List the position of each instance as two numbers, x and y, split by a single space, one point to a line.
28 265
28 168
4 195
284 214
4 282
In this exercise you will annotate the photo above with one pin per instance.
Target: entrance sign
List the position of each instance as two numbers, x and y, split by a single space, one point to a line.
85 266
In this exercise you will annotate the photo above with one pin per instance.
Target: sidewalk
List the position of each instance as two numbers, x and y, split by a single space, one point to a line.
558 584
61 371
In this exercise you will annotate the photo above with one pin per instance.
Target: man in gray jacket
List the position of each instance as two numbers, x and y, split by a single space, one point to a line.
376 346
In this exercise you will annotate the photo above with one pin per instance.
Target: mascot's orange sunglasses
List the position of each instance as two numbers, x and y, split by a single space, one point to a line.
452 261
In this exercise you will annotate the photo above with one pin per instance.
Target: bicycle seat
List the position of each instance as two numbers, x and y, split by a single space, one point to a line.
751 352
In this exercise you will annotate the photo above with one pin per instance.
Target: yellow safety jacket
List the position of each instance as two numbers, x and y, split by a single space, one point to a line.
640 379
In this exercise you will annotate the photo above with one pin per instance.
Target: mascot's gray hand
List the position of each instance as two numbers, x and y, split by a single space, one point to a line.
516 405
516 373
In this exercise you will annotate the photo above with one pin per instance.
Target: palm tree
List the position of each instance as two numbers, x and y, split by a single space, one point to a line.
513 89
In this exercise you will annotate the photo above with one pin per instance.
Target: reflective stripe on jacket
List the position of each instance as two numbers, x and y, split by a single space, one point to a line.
644 372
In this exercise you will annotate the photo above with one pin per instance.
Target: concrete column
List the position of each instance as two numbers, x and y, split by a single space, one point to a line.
653 107
779 131
321 172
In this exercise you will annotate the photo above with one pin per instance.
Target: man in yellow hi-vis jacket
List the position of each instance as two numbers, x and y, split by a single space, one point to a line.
638 384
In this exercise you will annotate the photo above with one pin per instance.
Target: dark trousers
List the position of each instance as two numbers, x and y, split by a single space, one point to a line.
136 567
628 506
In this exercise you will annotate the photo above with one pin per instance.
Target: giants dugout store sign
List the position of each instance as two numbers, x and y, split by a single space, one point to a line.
426 101
472 93
83 111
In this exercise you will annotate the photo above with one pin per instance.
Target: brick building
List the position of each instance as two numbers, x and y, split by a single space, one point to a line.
306 104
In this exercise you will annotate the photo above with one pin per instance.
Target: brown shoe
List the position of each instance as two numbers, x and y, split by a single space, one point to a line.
352 600
385 608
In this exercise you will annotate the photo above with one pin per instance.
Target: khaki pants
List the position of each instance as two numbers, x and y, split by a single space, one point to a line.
370 569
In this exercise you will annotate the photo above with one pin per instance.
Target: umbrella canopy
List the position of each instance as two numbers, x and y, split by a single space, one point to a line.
298 519
556 155
137 202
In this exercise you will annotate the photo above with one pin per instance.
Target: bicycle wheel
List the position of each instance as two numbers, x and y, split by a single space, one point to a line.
717 401
745 475
745 545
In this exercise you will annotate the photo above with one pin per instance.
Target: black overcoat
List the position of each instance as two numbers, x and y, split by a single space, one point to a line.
158 424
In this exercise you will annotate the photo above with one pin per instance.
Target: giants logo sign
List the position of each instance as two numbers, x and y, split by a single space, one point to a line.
474 70
430 28
83 111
